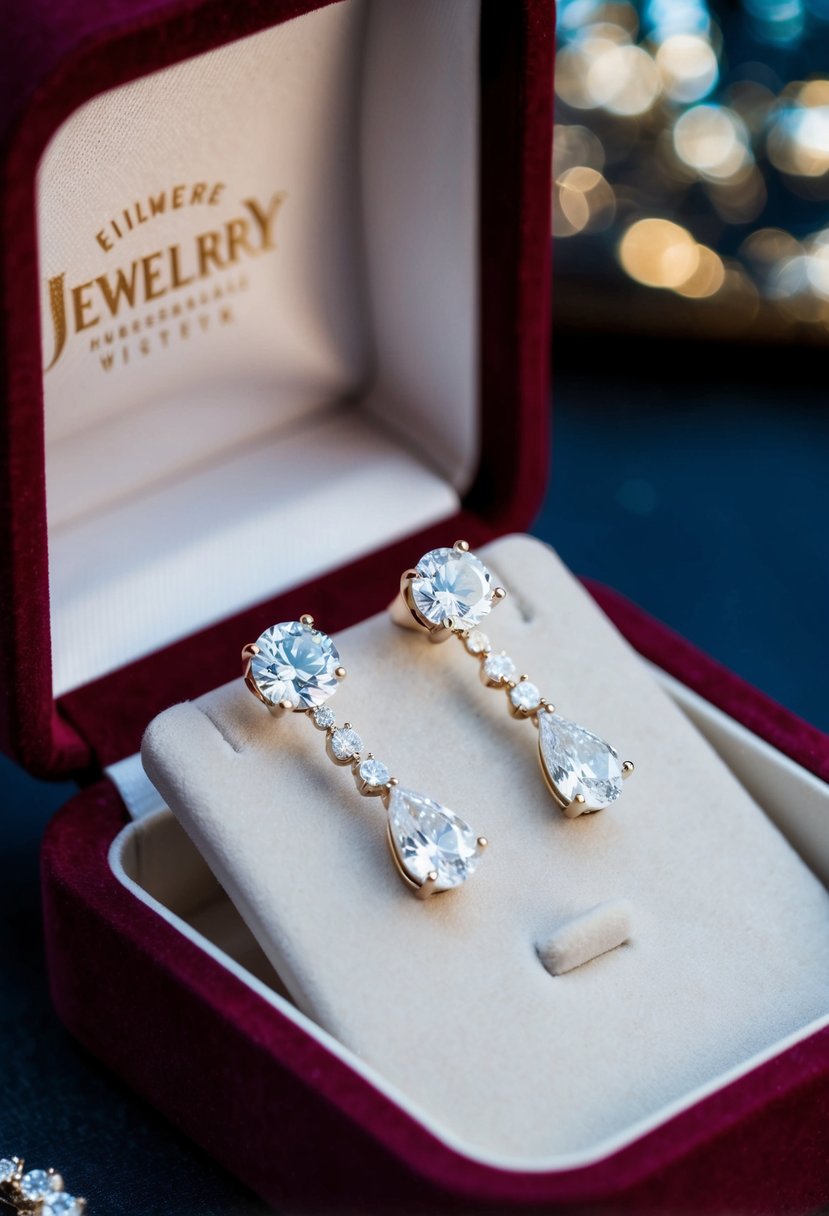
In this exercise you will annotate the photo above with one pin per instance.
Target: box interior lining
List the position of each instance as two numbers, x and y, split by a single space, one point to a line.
655 847
156 860
195 475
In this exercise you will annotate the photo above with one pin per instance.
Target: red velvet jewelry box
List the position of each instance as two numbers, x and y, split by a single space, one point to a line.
243 1073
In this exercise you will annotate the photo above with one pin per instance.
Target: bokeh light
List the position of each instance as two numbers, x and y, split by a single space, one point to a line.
681 126
658 253
584 202
687 67
712 140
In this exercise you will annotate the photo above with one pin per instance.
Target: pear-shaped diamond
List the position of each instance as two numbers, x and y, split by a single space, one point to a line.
428 839
577 762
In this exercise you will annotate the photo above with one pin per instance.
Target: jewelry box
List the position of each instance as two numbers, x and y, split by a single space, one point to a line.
286 266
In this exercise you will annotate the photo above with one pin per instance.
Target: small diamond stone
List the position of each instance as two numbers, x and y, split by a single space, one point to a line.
430 839
525 696
478 643
324 717
374 772
499 668
345 743
452 584
38 1183
7 1169
61 1204
296 663
579 762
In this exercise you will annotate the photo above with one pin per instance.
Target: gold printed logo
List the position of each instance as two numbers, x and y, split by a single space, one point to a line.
98 306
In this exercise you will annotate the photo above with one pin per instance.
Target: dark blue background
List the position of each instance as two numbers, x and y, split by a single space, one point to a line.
707 506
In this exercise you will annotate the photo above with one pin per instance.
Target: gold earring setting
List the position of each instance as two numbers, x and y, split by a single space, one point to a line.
447 594
295 667
36 1193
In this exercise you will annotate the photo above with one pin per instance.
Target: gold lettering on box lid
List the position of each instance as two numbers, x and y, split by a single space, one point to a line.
218 250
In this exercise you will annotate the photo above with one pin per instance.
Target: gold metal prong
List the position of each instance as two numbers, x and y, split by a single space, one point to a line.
307 620
340 673
576 807
427 887
628 768
523 677
392 782
461 546
249 651
499 593
482 842
549 709
285 705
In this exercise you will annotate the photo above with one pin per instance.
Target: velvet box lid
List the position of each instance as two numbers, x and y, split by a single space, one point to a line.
56 59
365 1147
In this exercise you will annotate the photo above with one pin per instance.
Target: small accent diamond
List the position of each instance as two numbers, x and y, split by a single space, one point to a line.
324 717
452 584
477 642
525 696
374 772
38 1183
345 743
8 1169
61 1204
499 668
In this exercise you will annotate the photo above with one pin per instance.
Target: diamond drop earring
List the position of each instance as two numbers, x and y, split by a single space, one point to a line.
295 667
447 594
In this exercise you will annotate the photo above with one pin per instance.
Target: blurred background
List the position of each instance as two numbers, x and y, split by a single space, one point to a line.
690 449
691 224
692 159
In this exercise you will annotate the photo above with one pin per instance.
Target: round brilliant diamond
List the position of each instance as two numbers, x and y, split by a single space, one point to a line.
374 772
297 664
525 696
346 743
452 584
499 668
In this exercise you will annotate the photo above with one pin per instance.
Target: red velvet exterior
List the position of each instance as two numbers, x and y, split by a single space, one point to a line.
206 1050
58 55
182 1030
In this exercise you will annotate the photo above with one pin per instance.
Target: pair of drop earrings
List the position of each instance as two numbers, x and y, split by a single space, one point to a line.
295 667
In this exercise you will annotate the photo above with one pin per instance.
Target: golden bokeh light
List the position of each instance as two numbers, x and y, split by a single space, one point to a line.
798 141
708 277
574 145
818 264
624 80
687 67
713 141
583 201
659 253
814 92
766 247
604 70
573 64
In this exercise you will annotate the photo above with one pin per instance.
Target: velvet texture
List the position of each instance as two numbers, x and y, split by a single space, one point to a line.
255 1090
208 1052
55 58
